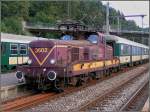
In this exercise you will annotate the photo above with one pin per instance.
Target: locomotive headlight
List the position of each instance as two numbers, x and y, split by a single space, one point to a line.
29 61
44 69
52 61
51 75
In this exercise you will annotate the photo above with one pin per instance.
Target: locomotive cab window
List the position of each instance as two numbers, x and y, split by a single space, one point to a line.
93 39
13 49
66 37
23 49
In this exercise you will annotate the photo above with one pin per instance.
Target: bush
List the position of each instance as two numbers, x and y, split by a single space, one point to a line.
11 25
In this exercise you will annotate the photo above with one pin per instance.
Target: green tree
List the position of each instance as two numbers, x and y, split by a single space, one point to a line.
12 25
91 13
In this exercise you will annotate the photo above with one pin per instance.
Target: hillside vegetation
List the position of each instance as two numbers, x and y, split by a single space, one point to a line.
91 13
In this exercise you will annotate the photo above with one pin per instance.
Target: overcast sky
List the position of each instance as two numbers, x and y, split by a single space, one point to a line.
132 8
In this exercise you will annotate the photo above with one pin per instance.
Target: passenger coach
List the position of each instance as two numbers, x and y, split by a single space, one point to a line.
14 50
127 51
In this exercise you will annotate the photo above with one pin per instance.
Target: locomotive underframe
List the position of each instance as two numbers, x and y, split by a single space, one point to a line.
36 77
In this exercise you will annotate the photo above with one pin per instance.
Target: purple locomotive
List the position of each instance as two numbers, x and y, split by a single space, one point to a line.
67 61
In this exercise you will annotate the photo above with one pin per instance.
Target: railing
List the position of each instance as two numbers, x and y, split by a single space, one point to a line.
40 25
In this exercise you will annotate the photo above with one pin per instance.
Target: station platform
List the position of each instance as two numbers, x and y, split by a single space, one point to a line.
146 106
9 85
8 79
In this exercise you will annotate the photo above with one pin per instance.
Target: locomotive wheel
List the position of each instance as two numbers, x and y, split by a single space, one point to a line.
29 84
107 72
55 88
74 81
115 70
89 79
79 82
93 75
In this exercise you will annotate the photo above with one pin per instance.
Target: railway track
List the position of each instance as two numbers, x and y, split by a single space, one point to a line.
136 102
78 99
29 101
34 99
121 98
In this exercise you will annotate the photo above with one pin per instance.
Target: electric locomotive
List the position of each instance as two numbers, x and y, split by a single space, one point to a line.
69 61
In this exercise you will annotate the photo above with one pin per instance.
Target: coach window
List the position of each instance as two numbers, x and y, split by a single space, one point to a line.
140 50
125 49
144 51
13 49
23 49
3 48
133 50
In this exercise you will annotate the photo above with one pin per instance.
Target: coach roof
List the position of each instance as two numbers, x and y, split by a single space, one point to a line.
124 41
6 37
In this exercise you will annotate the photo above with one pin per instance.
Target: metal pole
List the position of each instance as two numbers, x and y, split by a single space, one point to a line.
142 22
68 10
142 30
107 19
107 33
118 19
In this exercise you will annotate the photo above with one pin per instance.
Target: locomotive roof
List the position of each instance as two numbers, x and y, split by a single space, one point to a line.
6 37
73 42
124 41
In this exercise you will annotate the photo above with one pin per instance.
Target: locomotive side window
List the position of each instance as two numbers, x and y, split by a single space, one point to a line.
86 54
23 49
74 54
93 39
13 49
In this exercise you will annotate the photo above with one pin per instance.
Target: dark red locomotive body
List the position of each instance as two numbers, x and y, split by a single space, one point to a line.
66 60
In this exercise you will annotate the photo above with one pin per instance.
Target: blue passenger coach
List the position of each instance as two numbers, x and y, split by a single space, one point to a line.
127 51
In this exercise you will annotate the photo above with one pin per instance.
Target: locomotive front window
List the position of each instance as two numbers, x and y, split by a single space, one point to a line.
93 39
13 49
66 37
23 49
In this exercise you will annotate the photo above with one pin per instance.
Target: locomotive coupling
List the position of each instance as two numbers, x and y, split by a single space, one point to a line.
51 75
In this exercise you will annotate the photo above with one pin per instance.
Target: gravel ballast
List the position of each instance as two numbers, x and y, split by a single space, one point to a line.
75 100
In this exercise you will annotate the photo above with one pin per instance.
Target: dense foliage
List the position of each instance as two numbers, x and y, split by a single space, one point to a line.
91 13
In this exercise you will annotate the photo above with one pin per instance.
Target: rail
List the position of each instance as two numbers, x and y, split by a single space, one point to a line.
133 96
